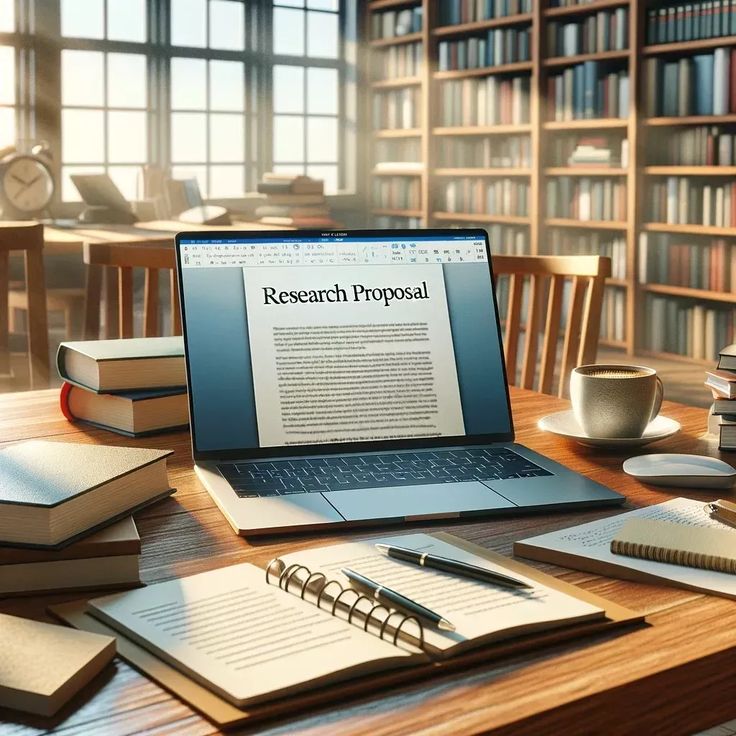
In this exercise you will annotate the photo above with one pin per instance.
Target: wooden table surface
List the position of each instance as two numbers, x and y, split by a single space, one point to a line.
675 676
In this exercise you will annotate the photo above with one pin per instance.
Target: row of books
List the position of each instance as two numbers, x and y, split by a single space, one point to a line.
391 222
584 198
512 151
587 91
702 145
509 240
607 30
683 200
398 149
613 315
484 197
569 3
691 21
397 109
499 46
485 101
565 243
684 327
452 12
707 264
393 23
402 60
704 84
586 151
397 192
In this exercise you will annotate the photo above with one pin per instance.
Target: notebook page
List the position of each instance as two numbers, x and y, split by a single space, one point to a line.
241 637
478 610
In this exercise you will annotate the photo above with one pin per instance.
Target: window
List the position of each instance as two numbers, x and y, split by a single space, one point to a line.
8 102
306 89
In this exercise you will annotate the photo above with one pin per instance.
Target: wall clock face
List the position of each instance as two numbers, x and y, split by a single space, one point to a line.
27 185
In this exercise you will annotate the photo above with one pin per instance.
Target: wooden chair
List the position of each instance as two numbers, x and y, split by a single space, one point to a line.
118 262
536 295
28 238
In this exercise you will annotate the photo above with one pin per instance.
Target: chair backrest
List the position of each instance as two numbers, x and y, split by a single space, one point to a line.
550 309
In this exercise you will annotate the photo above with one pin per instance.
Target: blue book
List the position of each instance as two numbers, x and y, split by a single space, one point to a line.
703 83
669 89
578 91
490 48
590 88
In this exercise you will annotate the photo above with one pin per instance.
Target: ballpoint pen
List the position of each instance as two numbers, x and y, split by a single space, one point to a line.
453 567
385 595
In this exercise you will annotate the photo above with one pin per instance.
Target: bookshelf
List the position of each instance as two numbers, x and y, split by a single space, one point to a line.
473 164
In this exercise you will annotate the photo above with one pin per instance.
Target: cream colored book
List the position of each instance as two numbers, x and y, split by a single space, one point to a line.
677 544
250 639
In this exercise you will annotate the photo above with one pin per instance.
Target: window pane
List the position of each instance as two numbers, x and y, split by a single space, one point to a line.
126 20
322 139
126 137
192 172
288 138
328 174
188 84
82 136
227 138
127 180
82 78
126 80
7 126
322 91
7 16
288 89
322 35
7 75
227 181
288 32
189 22
227 86
189 136
227 29
69 192
83 18
323 5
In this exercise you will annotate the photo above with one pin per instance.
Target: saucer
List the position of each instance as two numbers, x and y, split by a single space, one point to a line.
564 424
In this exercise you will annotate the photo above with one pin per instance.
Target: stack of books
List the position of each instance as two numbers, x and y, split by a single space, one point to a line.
133 387
597 151
293 200
722 384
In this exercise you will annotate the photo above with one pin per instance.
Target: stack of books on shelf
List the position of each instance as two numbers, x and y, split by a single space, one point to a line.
397 193
485 101
484 197
701 145
397 109
722 385
565 243
293 200
708 264
587 91
607 30
402 60
704 84
596 152
498 46
585 198
132 387
512 151
395 23
683 200
453 12
691 21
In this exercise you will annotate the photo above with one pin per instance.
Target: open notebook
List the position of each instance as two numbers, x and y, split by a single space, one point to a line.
251 640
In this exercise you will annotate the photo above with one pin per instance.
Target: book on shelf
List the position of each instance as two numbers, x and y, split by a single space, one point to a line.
396 109
53 493
691 21
588 91
402 60
499 46
561 242
589 151
108 558
122 365
389 166
485 196
482 101
398 149
508 151
454 12
397 192
396 23
509 240
586 199
613 315
683 200
606 30
701 145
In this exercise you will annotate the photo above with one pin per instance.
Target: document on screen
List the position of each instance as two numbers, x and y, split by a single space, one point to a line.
351 353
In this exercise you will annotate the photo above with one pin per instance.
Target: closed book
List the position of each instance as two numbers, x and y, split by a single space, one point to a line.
727 437
52 493
44 665
703 84
721 86
301 199
727 359
133 413
724 408
274 187
670 89
724 382
108 558
121 365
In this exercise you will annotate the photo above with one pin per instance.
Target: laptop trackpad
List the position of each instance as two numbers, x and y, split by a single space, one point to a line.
447 499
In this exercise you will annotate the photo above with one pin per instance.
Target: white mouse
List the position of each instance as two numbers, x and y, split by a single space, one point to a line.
687 471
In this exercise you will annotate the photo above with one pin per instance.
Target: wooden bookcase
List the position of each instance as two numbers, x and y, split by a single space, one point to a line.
639 130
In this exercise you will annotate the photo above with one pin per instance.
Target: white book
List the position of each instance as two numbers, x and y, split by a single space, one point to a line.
683 196
584 201
719 218
672 209
707 205
698 352
623 95
720 81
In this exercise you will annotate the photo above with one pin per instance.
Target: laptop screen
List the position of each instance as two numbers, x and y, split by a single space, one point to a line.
306 340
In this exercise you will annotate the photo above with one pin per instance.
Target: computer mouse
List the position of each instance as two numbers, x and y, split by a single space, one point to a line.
686 471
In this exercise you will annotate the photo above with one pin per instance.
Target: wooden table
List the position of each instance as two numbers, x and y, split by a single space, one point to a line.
675 676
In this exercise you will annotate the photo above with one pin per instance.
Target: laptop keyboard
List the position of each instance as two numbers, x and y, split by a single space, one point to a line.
313 475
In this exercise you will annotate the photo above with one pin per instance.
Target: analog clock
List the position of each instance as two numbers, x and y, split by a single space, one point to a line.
26 185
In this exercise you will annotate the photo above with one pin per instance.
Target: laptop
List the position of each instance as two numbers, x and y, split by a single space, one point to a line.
355 378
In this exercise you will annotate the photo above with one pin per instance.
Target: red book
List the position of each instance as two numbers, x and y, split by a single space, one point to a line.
732 80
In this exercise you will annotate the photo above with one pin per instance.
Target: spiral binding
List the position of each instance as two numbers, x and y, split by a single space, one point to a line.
287 575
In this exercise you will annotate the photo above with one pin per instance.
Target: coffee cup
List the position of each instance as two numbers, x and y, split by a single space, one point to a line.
615 400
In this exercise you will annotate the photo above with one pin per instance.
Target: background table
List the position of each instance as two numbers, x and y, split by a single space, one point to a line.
675 676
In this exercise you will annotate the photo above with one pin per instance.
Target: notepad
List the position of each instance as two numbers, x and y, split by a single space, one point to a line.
250 640
677 544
